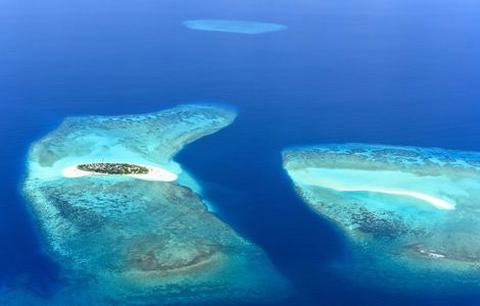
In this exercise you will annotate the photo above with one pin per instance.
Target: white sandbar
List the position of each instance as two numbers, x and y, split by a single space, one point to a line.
347 180
154 173
438 203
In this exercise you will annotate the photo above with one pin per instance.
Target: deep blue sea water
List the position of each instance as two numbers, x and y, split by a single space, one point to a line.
395 71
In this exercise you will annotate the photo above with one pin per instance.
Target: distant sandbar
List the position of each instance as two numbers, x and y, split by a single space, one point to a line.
233 26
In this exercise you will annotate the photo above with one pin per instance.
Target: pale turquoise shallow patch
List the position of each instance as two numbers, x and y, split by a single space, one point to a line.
412 214
233 26
123 241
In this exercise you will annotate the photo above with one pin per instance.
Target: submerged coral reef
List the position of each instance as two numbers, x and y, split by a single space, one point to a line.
412 214
125 241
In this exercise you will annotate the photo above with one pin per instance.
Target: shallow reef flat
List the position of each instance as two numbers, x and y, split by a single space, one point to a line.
124 241
411 214
233 26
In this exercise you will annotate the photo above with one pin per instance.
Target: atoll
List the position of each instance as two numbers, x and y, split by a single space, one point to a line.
410 213
126 241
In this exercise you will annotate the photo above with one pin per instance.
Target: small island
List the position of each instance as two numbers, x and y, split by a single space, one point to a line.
143 172
113 168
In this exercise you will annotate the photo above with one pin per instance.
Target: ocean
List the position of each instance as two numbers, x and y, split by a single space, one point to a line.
381 72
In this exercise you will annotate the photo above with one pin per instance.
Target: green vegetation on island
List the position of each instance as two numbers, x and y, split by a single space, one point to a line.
113 168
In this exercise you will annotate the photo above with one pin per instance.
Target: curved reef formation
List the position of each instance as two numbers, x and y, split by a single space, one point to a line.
126 241
233 26
412 213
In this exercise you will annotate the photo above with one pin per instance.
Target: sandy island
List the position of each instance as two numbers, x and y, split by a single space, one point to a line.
154 173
